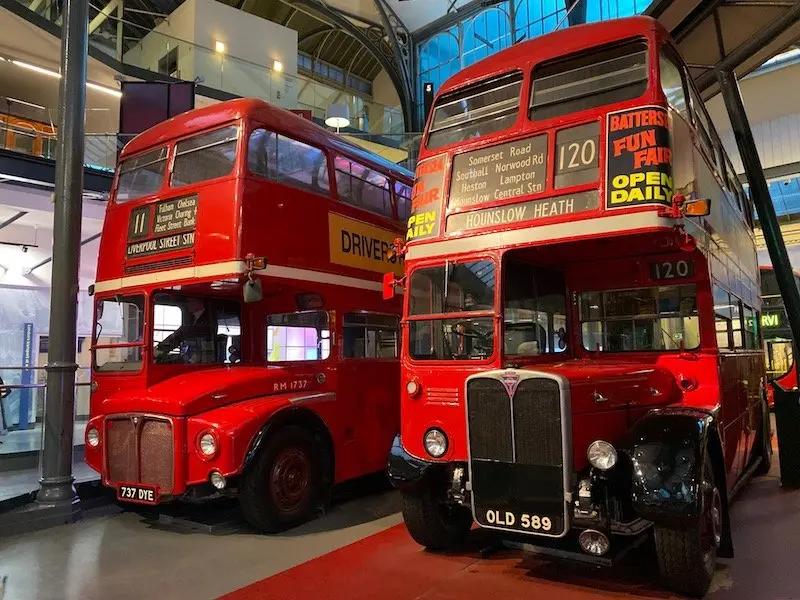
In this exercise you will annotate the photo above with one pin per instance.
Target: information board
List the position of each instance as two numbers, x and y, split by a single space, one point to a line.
499 172
165 226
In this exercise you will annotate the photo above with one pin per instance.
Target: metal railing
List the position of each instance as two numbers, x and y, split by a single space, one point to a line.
164 54
13 402
100 148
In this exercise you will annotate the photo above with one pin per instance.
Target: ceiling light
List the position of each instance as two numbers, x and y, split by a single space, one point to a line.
41 70
31 104
104 89
219 47
277 66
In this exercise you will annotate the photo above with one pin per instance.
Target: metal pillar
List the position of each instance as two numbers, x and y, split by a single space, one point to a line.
761 198
59 416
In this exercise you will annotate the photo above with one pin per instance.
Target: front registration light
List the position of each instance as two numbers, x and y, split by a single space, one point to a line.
601 455
435 442
93 437
207 445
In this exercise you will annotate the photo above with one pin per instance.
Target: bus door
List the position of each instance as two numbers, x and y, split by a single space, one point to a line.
369 377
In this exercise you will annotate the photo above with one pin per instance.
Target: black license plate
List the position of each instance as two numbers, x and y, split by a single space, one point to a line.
524 522
140 494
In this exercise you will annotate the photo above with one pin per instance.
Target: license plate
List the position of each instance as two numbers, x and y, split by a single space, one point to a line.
521 521
137 493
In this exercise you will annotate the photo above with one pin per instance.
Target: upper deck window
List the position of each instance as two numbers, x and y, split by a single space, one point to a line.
361 186
478 110
141 175
205 156
672 82
402 197
589 80
288 161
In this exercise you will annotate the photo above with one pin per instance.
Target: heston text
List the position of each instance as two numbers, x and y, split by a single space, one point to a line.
499 173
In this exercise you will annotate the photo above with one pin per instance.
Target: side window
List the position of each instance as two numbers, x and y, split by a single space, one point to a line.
288 161
672 83
702 124
722 318
300 336
368 335
402 199
195 330
361 186
736 322
750 328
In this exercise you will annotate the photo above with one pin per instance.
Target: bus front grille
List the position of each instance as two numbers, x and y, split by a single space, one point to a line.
139 449
517 455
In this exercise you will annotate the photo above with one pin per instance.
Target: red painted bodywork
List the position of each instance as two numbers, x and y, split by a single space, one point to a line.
593 258
238 216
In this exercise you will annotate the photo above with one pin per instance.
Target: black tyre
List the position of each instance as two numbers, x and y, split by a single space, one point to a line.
283 487
763 446
687 558
435 525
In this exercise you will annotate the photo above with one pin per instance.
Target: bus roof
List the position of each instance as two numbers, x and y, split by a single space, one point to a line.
274 117
554 45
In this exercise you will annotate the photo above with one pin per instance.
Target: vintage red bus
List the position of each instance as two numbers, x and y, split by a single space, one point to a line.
242 345
778 343
580 360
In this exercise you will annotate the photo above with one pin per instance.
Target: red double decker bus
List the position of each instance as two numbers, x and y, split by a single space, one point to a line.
581 363
778 342
242 345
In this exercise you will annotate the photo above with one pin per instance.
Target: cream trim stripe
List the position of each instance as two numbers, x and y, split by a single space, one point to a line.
233 267
528 235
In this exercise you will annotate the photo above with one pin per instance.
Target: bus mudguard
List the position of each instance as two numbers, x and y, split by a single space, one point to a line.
407 472
667 449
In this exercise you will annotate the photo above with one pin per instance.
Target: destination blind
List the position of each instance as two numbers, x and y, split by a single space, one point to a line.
527 212
499 172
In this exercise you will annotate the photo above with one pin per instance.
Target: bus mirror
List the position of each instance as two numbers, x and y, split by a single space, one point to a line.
697 207
389 283
252 291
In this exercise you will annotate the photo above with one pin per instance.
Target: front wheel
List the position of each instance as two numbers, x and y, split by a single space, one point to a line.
435 525
687 557
283 488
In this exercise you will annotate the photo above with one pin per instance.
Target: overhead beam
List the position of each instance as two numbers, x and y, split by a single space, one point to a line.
755 44
103 15
314 33
16 217
49 259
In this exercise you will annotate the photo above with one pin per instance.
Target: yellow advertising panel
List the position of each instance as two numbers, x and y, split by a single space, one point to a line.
361 245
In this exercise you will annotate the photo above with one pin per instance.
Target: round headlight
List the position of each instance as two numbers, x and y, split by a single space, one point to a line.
601 455
93 437
208 444
435 442
412 387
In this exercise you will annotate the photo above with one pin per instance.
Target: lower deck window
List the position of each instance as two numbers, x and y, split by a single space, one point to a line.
119 331
300 336
451 339
643 319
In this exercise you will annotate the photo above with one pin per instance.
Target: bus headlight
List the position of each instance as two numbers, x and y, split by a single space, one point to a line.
207 445
601 455
435 442
93 437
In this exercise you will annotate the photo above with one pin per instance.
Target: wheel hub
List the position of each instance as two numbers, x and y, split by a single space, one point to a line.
290 480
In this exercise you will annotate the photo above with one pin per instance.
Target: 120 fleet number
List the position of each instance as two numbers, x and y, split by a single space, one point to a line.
525 521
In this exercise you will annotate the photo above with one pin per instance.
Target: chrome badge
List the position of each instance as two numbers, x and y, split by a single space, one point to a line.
510 381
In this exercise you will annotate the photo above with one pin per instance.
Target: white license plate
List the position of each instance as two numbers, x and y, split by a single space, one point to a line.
137 493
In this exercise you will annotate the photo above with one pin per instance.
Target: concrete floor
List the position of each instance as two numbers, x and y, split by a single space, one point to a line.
121 555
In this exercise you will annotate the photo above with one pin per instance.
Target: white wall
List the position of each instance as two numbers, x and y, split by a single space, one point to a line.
252 44
771 102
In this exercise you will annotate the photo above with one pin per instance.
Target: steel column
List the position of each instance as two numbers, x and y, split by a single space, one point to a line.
59 416
759 192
